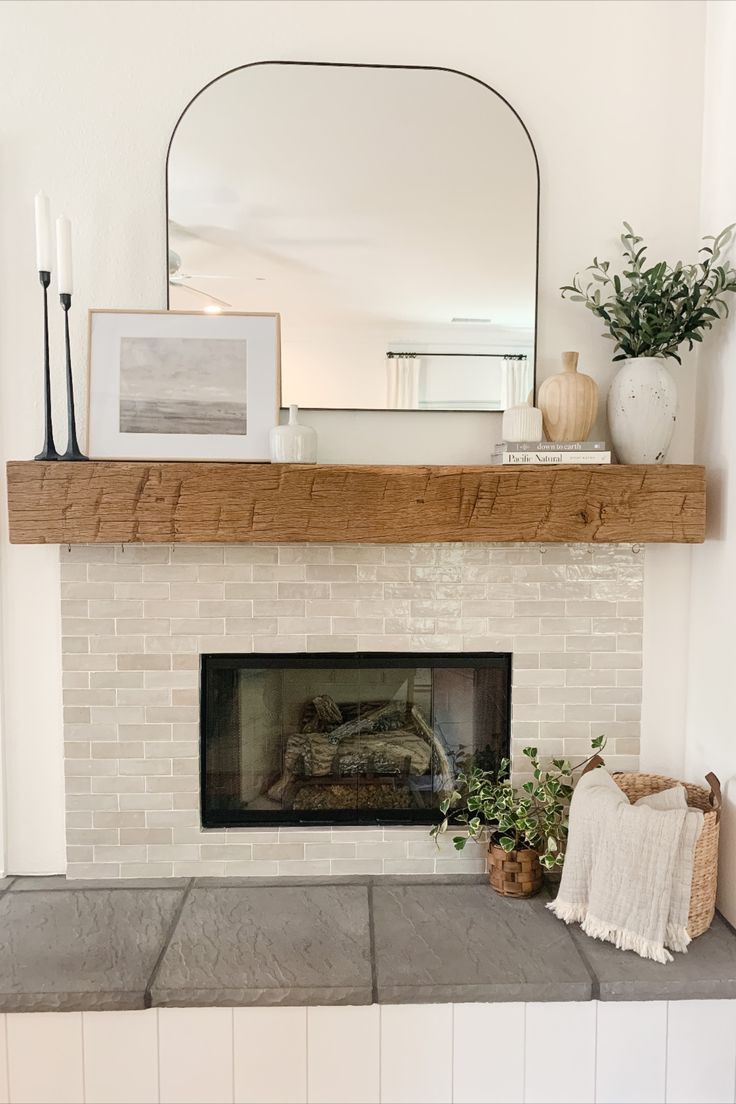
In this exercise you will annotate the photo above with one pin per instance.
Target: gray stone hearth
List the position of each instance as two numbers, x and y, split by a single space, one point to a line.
291 941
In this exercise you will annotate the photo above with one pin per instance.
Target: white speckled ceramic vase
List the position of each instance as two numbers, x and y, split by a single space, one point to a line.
642 408
293 443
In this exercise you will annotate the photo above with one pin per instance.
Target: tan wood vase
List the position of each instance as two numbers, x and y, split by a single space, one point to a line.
569 402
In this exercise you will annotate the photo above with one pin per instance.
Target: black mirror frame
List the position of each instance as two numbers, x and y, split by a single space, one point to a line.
373 65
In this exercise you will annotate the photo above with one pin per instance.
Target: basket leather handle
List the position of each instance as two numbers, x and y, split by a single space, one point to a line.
595 762
715 798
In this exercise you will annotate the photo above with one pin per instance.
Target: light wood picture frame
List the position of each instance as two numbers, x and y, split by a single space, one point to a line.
182 385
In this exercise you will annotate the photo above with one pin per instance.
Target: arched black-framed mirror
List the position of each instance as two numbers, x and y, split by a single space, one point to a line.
389 213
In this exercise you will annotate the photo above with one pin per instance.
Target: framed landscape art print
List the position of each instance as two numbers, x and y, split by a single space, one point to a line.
182 385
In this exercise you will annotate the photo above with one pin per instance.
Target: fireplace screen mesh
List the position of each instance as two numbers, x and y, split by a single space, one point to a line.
346 739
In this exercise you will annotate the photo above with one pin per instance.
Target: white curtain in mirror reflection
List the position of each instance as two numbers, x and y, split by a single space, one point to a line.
519 381
434 380
403 381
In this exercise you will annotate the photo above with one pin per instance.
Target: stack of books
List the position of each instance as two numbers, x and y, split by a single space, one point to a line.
552 452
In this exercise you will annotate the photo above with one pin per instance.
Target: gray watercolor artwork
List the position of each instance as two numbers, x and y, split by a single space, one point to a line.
183 385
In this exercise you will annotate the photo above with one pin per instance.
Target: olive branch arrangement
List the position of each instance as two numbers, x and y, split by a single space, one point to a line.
535 818
650 310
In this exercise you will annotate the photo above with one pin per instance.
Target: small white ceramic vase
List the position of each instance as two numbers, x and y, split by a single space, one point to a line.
293 443
642 408
522 422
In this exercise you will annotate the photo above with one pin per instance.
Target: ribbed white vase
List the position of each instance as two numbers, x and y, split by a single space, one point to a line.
642 408
293 443
522 423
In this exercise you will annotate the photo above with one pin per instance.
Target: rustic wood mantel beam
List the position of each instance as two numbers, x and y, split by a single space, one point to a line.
111 502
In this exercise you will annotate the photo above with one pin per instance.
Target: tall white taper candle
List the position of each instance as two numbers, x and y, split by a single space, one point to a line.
64 255
43 233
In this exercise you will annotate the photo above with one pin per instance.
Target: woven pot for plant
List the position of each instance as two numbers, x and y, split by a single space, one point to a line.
705 860
514 873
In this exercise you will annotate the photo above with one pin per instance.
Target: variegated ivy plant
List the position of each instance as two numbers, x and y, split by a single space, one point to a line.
536 817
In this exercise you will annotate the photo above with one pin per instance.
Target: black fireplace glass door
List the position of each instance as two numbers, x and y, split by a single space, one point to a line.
346 739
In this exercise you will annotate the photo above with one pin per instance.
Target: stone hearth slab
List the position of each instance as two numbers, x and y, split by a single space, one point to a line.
58 881
269 945
707 971
338 880
69 948
464 943
72 950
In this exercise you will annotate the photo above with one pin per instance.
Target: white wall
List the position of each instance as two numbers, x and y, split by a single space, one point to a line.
89 93
710 715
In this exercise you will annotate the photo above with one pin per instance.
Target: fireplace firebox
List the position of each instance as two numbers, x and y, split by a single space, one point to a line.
346 738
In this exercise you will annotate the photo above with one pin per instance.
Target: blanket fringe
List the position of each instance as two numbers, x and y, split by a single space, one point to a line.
677 938
564 910
625 940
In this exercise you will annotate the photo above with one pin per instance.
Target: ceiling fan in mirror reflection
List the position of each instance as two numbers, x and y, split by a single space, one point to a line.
177 278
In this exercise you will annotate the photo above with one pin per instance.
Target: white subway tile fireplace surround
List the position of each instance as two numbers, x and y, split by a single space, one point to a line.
136 618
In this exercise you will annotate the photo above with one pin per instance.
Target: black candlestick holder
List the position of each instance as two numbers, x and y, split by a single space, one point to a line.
49 448
73 451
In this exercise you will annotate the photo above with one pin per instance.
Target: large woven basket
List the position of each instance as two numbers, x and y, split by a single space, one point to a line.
705 861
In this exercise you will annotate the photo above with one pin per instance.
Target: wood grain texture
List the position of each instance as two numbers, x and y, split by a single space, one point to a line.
110 502
569 402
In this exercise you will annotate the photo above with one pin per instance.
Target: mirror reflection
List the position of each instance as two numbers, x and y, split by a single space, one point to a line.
388 214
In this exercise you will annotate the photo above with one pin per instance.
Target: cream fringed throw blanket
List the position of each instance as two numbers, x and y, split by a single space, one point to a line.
628 868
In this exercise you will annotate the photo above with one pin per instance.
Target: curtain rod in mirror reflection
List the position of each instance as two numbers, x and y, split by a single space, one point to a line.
373 207
501 356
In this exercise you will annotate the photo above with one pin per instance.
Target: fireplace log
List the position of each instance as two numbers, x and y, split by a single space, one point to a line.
365 723
327 709
360 747
384 753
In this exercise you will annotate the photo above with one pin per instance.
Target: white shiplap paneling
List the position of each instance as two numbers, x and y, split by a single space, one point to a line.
579 1053
343 1055
416 1053
488 1054
559 1066
45 1064
701 1052
3 1062
270 1055
195 1055
120 1057
631 1051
